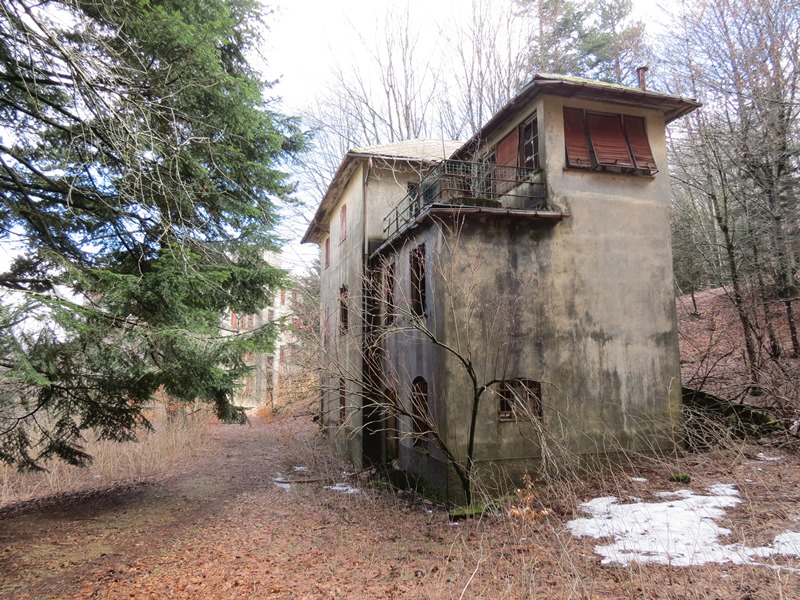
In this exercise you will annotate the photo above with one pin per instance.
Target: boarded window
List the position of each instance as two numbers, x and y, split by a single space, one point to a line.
417 277
420 412
519 399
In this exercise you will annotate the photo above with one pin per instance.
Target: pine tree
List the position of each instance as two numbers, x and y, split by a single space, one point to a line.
140 179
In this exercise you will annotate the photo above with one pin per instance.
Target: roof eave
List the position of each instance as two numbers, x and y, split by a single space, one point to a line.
673 107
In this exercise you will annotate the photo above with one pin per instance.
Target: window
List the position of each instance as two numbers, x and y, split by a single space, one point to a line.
518 149
344 312
417 277
420 413
327 252
342 401
326 332
607 142
529 144
234 320
283 297
388 290
520 399
343 223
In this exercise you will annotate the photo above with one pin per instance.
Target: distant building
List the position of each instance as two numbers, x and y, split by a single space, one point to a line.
262 387
539 253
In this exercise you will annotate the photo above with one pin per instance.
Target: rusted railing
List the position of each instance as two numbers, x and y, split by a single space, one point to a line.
458 183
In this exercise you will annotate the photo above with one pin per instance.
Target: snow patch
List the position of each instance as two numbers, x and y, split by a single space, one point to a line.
638 479
299 469
679 531
280 481
342 487
764 457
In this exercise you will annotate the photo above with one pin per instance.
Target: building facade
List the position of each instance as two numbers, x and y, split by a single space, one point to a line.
506 305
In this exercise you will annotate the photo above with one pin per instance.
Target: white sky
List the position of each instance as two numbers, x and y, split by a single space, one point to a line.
309 39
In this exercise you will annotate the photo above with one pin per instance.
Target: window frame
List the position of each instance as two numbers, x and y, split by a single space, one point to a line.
511 392
532 123
417 271
343 223
344 310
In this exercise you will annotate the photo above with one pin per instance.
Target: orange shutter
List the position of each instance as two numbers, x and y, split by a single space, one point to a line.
608 140
640 146
508 149
575 139
505 172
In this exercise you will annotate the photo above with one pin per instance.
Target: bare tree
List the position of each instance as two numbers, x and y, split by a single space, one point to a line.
738 159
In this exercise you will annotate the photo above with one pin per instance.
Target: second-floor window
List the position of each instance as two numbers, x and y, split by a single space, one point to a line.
343 223
344 309
417 277
607 142
529 144
327 252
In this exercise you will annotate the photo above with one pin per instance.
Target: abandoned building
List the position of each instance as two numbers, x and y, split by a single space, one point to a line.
529 268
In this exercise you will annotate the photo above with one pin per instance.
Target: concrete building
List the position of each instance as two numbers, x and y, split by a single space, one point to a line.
505 303
263 386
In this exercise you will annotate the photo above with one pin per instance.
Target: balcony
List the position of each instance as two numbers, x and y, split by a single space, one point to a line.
454 184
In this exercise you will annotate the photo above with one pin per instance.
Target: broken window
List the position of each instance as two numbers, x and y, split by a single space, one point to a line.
608 142
420 413
529 144
417 277
344 309
520 399
388 290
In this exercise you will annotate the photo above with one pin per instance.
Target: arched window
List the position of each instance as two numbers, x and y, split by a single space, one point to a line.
420 413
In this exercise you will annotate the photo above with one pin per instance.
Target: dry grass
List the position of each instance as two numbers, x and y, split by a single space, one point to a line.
171 442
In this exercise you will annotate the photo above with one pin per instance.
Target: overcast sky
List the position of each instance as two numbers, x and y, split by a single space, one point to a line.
309 39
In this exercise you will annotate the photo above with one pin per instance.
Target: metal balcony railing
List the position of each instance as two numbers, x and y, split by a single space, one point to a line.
459 183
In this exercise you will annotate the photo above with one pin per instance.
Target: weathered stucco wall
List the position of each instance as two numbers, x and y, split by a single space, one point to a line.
585 306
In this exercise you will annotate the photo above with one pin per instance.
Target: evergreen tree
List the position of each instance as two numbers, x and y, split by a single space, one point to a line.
140 176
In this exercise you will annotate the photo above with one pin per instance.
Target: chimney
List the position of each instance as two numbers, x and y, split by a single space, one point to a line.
641 73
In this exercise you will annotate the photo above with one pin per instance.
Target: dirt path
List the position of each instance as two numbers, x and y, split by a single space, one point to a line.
223 529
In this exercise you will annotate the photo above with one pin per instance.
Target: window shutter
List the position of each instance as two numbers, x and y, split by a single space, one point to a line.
640 146
506 162
575 139
608 140
507 150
